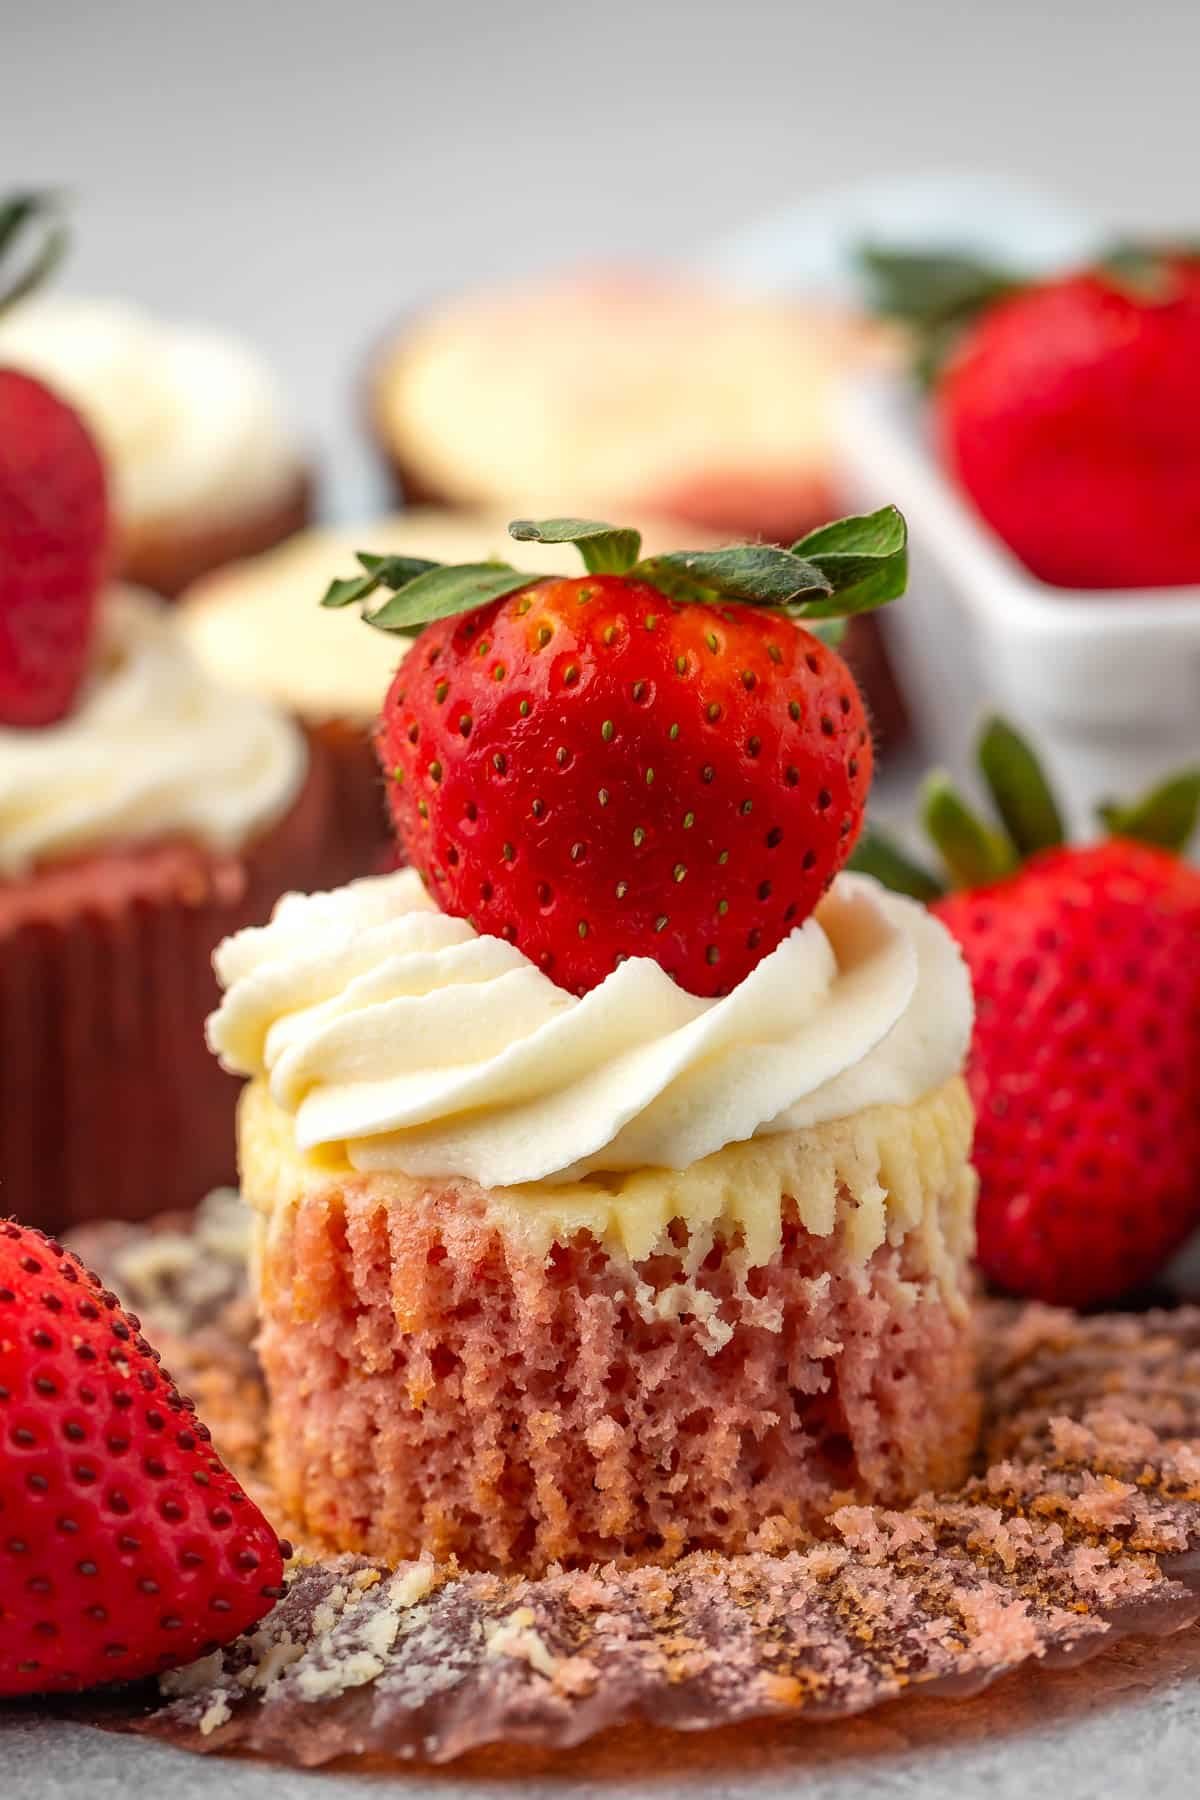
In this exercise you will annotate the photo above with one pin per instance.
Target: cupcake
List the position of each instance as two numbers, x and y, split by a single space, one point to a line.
627 394
145 810
623 395
203 467
254 625
611 1163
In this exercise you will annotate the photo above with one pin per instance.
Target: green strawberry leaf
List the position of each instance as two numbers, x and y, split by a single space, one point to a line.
924 287
394 572
605 549
17 212
1019 789
878 854
935 294
1166 817
755 574
443 592
856 565
863 558
975 854
850 566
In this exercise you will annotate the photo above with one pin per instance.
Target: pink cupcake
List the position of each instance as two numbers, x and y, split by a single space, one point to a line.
612 1202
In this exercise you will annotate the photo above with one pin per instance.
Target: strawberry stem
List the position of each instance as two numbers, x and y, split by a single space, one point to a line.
877 853
17 214
1166 817
974 853
1019 789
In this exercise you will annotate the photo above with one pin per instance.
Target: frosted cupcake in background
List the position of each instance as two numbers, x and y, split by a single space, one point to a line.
625 394
203 466
145 809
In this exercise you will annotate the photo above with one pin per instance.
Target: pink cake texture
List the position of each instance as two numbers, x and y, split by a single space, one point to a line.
437 1387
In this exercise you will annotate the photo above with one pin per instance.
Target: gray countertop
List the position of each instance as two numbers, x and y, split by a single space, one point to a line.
1127 1724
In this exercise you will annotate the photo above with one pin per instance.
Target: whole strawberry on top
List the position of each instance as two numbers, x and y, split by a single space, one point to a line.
1068 409
1085 1061
658 758
54 519
126 1547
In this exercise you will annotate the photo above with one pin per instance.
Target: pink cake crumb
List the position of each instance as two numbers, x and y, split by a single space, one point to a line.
436 1387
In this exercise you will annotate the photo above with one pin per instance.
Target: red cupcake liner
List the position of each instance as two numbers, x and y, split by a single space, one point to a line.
111 1105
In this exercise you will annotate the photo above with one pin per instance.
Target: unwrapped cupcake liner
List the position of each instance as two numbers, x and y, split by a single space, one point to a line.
1082 1527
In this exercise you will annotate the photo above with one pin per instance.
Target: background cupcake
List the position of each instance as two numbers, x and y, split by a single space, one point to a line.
144 809
625 394
203 466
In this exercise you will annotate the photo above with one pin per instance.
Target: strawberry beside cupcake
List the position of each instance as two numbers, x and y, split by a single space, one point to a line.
611 1163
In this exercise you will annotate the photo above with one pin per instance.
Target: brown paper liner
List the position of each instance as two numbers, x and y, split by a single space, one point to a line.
1082 1527
110 1103
168 555
360 839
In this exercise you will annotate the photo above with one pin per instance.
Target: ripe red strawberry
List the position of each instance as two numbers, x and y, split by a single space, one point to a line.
1078 402
125 1545
1085 1067
1085 1061
595 768
53 550
1069 409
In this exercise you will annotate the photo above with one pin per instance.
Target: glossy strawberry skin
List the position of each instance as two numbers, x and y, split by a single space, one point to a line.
1070 413
125 1545
594 771
54 543
1085 1068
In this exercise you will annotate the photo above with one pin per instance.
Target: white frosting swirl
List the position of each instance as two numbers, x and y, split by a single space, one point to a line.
189 420
393 1030
155 747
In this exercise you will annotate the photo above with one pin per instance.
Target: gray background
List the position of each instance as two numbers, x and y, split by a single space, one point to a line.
305 171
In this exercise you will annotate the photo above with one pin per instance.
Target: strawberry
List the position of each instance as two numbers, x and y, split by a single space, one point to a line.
125 1545
1070 401
1085 1060
54 526
53 551
654 759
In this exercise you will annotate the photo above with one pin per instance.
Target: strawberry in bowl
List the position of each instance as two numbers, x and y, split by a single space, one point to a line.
1067 409
1085 1063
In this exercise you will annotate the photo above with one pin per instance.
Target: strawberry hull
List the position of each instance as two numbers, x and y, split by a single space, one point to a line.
111 1105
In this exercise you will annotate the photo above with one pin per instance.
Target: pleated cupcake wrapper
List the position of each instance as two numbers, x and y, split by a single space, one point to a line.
111 1104
109 1101
1083 1529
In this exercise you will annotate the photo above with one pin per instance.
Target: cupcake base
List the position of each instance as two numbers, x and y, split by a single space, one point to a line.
439 1382
166 555
111 1105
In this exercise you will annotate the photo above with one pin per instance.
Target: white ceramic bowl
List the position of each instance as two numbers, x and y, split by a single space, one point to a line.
1108 683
